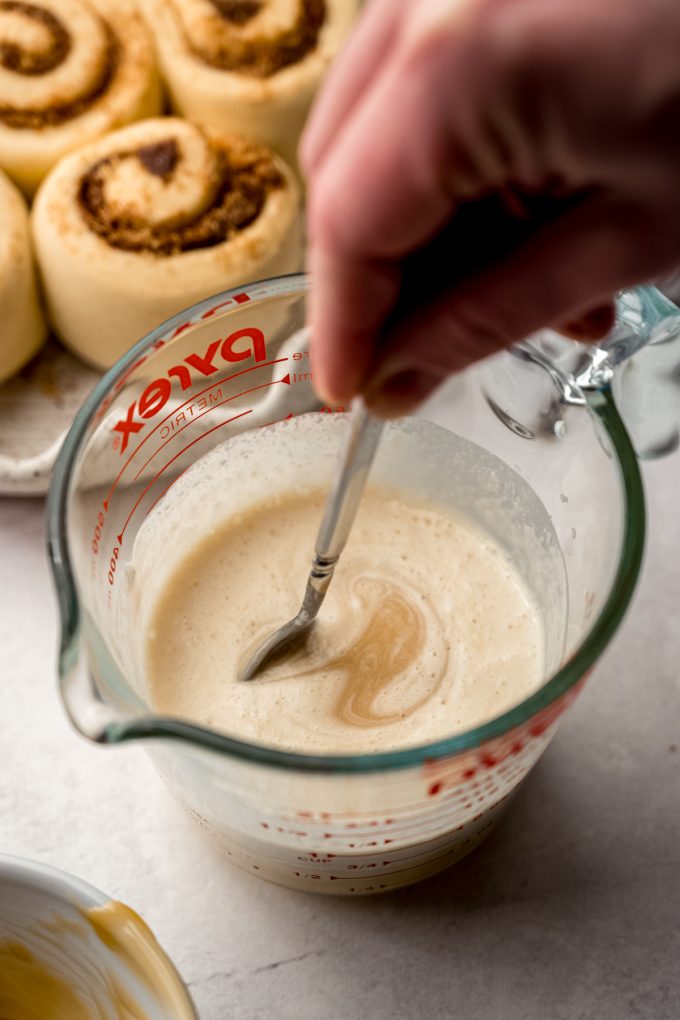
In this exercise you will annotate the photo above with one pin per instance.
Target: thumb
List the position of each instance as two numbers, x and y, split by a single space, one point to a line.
564 273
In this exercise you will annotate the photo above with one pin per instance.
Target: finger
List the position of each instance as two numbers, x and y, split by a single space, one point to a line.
348 303
402 392
363 219
349 79
568 267
594 325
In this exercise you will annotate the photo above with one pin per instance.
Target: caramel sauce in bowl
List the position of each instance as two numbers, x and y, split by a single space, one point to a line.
67 952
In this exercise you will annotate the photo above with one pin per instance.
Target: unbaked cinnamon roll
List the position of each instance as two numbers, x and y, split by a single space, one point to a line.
70 70
22 326
152 218
250 66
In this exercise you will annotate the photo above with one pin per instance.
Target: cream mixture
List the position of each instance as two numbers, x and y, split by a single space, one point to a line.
427 629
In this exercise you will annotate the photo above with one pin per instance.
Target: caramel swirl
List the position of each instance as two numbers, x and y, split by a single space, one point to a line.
235 183
237 38
37 43
390 644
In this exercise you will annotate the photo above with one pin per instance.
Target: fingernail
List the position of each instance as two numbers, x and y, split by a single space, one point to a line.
327 397
594 325
325 387
600 321
400 392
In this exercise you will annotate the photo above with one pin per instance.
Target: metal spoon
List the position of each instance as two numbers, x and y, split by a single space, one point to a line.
341 507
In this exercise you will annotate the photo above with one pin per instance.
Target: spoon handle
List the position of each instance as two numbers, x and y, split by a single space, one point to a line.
344 498
341 507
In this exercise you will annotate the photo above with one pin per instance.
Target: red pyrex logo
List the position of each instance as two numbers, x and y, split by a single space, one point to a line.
157 393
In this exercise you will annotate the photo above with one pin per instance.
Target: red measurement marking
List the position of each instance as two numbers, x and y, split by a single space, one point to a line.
181 329
400 871
287 418
212 407
432 846
213 311
171 461
433 810
455 793
176 410
418 827
240 299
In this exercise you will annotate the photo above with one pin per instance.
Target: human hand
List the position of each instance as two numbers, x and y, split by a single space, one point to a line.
479 169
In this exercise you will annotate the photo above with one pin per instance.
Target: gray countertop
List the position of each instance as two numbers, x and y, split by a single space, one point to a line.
570 911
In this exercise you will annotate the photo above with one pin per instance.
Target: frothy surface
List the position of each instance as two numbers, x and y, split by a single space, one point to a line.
427 629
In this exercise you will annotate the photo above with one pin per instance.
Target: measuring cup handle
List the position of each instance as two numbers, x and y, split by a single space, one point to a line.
644 316
639 360
647 387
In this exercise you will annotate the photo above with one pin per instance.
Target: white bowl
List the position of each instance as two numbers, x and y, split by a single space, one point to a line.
56 927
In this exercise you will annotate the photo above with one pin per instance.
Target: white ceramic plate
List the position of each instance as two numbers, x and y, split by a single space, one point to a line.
36 410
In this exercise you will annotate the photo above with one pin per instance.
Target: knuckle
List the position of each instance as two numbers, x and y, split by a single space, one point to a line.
524 50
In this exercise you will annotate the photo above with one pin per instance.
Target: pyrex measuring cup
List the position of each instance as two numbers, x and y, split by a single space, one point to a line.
529 444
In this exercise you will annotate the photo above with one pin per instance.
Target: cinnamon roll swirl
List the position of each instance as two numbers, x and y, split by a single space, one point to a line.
70 70
22 327
250 66
150 219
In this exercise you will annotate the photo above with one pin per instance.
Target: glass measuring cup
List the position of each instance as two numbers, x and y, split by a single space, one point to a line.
529 444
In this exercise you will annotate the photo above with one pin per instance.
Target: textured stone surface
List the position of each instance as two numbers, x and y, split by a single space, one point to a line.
569 912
